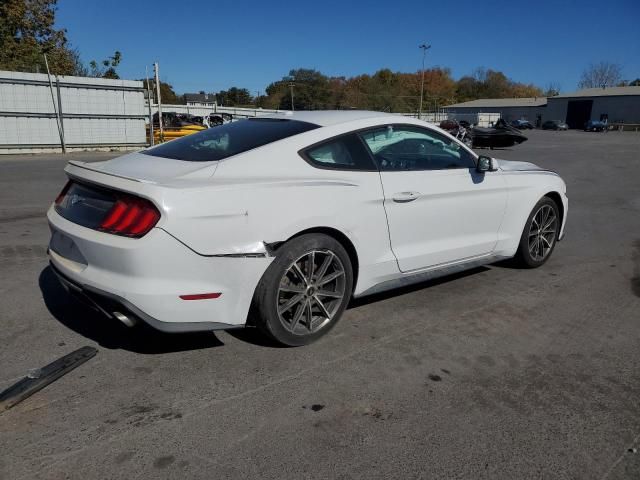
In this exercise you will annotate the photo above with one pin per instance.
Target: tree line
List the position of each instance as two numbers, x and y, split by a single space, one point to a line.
385 90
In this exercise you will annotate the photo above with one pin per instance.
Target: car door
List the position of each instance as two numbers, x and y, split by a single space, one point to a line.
439 208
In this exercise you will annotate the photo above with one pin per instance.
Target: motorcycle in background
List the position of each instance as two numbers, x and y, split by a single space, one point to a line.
459 131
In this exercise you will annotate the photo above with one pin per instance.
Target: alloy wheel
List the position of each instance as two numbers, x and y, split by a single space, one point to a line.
542 232
311 291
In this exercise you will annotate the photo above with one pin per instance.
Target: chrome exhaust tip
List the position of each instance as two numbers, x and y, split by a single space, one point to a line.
128 321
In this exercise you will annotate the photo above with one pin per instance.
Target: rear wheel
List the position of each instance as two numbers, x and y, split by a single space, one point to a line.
305 290
540 234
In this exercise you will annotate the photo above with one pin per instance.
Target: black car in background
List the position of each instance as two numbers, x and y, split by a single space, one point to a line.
522 124
595 126
555 125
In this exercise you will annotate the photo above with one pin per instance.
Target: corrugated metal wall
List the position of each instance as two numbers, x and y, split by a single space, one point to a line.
96 112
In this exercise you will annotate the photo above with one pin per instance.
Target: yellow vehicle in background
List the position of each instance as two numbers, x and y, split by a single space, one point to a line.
174 125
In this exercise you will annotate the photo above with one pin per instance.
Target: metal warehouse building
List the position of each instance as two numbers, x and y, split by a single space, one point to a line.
616 105
510 109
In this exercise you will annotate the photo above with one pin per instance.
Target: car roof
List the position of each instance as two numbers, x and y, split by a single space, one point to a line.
325 118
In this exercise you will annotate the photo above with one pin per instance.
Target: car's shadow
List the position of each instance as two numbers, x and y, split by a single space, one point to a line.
110 333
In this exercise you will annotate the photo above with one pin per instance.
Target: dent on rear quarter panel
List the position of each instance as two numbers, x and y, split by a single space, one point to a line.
245 218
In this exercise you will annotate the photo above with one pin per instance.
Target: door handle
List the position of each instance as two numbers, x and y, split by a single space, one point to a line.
404 197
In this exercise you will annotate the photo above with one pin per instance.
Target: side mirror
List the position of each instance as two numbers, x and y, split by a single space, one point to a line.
486 164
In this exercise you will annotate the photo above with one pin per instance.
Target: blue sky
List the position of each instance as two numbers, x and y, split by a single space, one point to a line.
213 45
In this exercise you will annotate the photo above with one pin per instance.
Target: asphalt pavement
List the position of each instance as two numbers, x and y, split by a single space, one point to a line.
494 373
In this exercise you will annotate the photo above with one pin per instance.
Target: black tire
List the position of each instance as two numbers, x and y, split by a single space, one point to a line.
524 256
269 299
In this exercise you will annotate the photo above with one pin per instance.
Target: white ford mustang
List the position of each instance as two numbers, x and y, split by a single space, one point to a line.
281 219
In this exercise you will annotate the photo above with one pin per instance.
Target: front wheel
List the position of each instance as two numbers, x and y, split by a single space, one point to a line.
305 290
540 234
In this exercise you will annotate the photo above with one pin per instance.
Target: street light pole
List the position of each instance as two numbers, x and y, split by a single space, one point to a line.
424 48
291 85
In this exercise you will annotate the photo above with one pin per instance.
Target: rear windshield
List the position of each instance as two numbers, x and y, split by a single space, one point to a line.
223 141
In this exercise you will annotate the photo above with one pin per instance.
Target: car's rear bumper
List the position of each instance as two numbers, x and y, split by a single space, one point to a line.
145 278
121 309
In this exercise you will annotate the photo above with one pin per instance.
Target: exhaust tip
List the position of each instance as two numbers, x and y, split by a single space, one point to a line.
128 321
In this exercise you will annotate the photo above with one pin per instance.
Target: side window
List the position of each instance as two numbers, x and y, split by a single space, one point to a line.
405 147
344 153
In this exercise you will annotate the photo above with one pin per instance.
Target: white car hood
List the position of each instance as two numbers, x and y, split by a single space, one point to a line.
513 166
151 169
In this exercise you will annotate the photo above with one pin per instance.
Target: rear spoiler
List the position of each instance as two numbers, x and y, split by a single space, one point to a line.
87 166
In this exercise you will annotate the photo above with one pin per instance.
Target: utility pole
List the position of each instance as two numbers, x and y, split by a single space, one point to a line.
56 110
157 77
424 48
149 101
291 85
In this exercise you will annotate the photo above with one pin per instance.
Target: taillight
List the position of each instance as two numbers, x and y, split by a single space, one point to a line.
106 210
130 216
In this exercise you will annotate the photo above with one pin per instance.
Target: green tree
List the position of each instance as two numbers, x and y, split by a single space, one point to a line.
166 92
468 88
27 32
107 69
311 90
234 97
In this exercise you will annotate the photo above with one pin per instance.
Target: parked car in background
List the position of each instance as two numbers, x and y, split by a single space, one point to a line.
595 126
555 125
277 221
522 124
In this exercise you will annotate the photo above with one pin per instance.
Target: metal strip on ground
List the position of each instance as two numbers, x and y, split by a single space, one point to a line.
40 378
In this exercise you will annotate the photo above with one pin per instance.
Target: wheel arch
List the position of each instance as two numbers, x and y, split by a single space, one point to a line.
557 199
336 234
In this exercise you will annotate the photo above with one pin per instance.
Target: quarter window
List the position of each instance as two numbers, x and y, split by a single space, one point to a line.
403 147
230 139
343 153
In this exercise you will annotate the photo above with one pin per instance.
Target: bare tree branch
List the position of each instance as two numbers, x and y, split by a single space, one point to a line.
602 74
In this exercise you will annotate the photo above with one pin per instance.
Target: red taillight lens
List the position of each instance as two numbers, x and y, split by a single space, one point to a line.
63 193
130 216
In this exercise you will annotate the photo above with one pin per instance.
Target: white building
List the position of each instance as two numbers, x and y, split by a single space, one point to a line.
207 100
